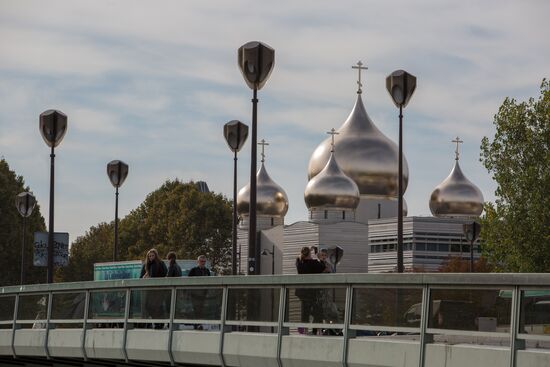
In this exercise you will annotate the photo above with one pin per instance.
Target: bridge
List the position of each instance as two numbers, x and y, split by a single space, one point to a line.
352 320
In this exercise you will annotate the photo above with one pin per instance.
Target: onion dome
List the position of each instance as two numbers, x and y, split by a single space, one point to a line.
331 188
365 155
456 196
271 199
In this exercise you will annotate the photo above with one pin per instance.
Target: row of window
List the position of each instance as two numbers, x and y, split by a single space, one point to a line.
424 247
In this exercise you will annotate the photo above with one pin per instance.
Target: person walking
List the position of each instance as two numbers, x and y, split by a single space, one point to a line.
310 308
153 304
198 297
174 270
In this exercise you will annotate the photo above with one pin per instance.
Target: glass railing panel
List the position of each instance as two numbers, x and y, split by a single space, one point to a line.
107 305
253 304
535 316
318 305
387 307
151 304
198 304
485 310
7 307
68 306
33 307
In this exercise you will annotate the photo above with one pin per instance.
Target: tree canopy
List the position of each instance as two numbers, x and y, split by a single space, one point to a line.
11 231
176 217
516 227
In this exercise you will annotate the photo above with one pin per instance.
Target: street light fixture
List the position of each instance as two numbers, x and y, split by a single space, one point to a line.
401 86
117 172
235 133
24 202
256 60
53 126
471 232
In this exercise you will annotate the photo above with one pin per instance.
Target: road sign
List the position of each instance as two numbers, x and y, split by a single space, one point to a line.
60 249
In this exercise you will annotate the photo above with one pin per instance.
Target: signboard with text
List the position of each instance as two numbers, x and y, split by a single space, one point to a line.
60 249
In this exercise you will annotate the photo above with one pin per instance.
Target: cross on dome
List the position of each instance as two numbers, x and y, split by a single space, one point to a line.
457 141
359 67
332 132
263 144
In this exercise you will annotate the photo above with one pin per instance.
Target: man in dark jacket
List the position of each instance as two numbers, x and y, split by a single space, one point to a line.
198 296
174 269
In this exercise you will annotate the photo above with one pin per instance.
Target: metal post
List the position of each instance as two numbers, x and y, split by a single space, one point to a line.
85 325
515 323
253 253
273 260
23 250
400 198
347 321
234 233
222 324
281 330
472 255
115 247
51 219
171 325
127 305
14 325
48 318
424 337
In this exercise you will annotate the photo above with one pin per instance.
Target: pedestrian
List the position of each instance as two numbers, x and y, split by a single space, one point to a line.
323 256
152 301
174 270
309 297
198 297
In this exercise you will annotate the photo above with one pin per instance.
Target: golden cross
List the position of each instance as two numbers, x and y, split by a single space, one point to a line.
457 141
332 132
359 67
263 144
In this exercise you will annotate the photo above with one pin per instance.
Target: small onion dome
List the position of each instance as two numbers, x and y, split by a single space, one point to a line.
271 199
456 196
365 155
331 188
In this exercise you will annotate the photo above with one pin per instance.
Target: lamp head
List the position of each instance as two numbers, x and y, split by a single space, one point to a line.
25 202
117 172
401 86
235 133
256 60
53 126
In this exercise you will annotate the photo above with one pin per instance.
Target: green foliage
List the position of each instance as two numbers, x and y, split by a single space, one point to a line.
516 229
176 217
11 231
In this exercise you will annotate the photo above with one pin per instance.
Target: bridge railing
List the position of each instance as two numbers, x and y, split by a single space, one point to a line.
510 310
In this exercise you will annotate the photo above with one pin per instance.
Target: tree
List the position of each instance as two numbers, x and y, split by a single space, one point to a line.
11 228
516 227
456 264
175 217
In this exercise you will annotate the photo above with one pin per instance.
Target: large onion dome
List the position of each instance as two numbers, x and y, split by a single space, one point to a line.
331 188
271 199
365 155
456 196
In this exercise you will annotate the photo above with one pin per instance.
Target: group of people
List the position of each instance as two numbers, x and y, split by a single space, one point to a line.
153 304
316 304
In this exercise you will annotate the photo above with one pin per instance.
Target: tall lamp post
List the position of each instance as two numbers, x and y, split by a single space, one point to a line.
24 202
117 172
401 86
471 232
235 133
256 60
53 126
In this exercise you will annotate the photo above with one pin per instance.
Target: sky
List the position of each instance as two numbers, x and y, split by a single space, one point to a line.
152 83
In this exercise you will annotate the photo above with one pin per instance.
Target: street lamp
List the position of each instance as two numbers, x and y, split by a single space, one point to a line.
401 86
235 133
53 126
471 232
256 60
24 202
117 172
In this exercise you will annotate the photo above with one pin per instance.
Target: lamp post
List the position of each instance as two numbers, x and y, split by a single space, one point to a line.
471 232
235 133
401 86
117 172
53 126
24 202
256 60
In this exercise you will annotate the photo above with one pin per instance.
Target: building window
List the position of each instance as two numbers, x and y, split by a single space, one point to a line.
326 214
272 221
343 214
431 247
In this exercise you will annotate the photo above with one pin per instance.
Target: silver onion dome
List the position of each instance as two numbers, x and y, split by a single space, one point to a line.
365 155
271 199
456 196
331 188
